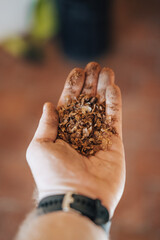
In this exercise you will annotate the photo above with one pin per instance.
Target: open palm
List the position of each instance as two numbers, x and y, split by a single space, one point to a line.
57 167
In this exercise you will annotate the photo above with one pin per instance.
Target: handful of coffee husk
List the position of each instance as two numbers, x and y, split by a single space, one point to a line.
84 125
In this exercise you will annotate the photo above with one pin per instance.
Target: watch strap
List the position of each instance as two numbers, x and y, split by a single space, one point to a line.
72 202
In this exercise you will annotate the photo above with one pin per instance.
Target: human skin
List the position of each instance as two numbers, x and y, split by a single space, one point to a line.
57 168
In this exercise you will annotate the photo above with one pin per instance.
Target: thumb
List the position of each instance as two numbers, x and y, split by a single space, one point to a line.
48 124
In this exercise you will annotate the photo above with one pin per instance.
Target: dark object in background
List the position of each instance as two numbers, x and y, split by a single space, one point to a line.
84 27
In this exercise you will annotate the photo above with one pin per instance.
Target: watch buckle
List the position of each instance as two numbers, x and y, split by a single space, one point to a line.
67 200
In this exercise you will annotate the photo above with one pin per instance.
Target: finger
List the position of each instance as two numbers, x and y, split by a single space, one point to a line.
106 78
91 73
114 106
73 85
48 124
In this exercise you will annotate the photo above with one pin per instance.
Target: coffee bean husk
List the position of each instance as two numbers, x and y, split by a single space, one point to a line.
84 125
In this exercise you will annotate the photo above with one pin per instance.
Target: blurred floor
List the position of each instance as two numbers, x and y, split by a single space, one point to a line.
24 88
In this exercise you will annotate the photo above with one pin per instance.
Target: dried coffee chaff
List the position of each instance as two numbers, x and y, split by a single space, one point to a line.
84 125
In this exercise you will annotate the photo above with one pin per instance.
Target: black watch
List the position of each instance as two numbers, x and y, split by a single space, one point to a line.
72 202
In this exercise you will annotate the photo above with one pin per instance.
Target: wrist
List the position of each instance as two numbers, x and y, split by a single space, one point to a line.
85 192
69 226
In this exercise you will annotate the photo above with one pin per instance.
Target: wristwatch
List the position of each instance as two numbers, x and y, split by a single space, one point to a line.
72 202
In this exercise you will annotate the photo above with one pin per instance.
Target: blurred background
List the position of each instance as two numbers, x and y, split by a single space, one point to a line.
40 42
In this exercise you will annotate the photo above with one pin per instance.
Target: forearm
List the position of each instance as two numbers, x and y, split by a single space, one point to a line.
61 226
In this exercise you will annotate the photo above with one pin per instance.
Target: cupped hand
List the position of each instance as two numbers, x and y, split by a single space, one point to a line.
57 168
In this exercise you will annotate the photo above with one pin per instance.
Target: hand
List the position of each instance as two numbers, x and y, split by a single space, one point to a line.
58 168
